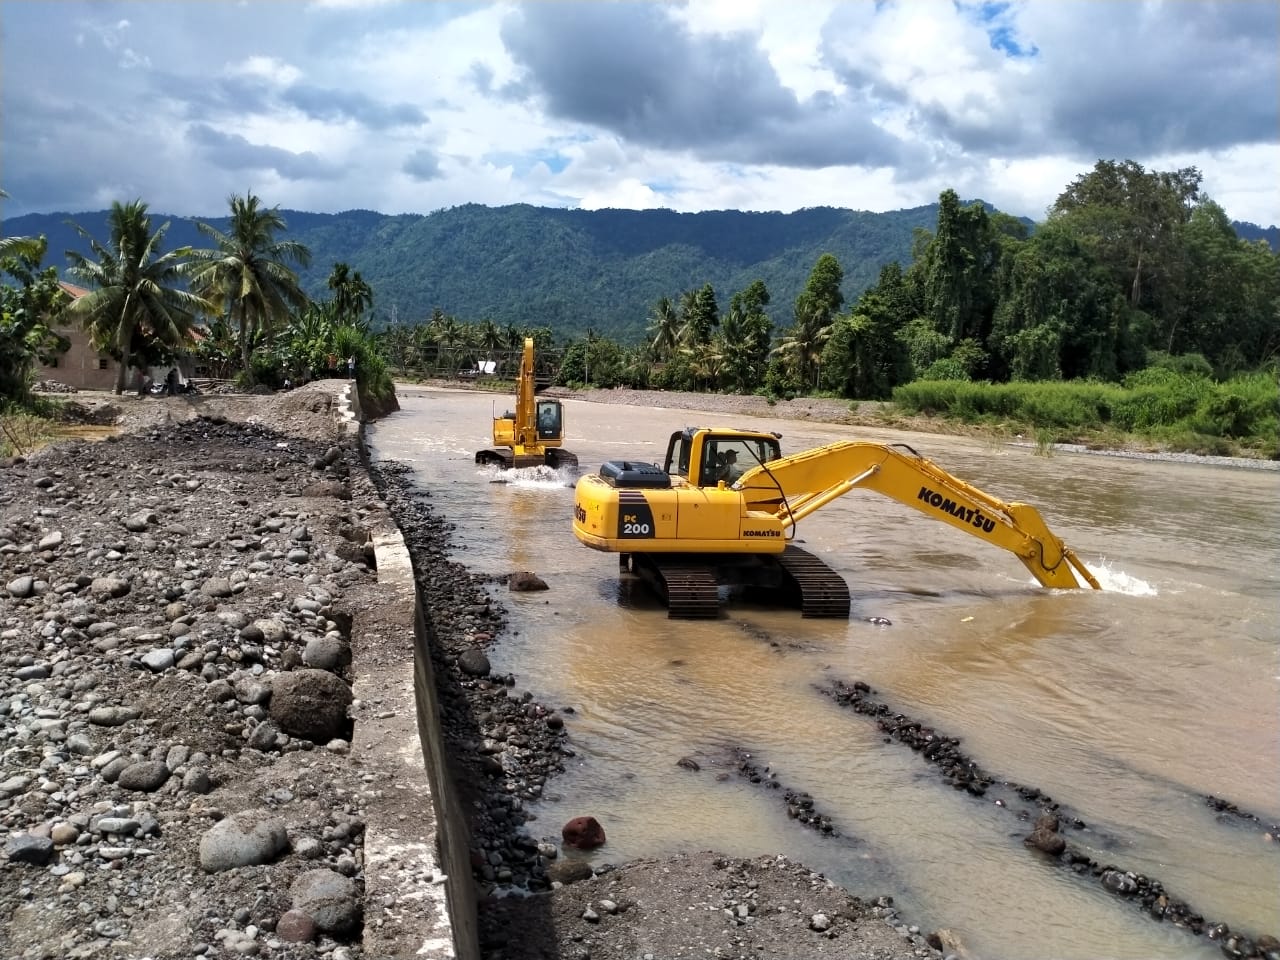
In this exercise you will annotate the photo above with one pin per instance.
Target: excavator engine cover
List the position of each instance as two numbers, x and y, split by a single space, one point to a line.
629 474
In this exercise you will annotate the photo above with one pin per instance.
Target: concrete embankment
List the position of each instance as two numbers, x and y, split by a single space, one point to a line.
420 828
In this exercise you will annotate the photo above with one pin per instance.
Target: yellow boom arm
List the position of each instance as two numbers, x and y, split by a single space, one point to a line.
794 487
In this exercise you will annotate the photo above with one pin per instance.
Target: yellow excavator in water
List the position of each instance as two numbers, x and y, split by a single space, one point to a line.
723 510
531 436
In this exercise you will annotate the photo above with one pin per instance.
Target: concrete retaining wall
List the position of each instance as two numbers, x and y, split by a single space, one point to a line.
419 895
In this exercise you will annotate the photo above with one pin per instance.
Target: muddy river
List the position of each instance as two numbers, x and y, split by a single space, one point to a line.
1129 706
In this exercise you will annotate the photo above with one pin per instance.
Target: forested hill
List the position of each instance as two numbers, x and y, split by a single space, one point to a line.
566 269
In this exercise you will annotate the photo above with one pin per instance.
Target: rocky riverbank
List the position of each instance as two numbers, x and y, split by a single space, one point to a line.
175 615
178 606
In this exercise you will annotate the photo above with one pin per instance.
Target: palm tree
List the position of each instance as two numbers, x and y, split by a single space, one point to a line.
31 248
133 291
664 327
247 273
804 341
351 295
490 336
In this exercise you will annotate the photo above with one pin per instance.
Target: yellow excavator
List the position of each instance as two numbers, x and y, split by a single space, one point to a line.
531 436
723 510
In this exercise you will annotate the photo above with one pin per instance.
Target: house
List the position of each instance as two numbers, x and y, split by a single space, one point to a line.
81 366
85 368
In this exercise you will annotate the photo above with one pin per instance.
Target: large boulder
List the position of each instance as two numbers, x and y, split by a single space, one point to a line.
253 836
329 899
525 581
311 704
1045 837
584 833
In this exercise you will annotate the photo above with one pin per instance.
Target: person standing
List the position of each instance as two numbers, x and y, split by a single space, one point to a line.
351 367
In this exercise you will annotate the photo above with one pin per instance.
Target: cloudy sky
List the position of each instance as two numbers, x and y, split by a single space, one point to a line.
414 106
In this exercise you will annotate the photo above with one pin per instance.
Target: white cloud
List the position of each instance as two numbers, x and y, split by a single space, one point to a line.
714 104
271 69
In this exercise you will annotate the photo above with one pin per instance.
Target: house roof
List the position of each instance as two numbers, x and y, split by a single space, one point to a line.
72 290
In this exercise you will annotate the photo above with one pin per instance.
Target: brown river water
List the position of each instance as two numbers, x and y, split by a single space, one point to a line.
1128 706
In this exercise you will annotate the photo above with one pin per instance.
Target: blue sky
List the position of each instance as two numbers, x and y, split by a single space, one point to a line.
329 105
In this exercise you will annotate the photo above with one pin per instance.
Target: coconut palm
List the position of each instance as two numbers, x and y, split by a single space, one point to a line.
802 344
351 295
247 272
134 295
31 248
664 329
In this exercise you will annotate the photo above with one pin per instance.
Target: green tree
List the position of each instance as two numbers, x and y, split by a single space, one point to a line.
491 336
864 357
247 274
1133 220
27 309
30 248
664 330
958 270
1060 314
1231 307
801 344
135 300
745 339
351 295
699 315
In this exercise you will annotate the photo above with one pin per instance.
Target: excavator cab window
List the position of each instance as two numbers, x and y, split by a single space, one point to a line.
727 459
678 447
549 420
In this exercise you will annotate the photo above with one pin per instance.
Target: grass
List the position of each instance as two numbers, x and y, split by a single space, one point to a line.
1156 408
22 432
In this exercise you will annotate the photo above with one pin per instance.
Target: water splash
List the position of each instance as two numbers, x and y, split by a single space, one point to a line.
1114 580
537 478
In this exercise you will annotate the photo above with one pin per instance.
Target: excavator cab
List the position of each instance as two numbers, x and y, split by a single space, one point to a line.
719 456
550 420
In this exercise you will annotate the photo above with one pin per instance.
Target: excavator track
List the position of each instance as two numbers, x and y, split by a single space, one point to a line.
691 589
823 592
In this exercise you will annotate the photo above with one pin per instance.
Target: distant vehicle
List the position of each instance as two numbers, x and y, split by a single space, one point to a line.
532 435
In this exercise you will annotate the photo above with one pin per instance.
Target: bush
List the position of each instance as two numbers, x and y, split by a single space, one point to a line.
948 368
1187 364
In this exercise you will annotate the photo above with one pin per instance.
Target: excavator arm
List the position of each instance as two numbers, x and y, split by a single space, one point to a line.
526 426
793 487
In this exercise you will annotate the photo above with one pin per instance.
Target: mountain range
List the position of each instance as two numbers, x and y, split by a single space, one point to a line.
570 270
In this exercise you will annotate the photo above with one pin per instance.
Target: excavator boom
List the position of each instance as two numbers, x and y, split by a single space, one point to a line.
796 486
696 523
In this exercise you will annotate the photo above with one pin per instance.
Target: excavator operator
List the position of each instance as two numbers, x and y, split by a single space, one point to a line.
727 467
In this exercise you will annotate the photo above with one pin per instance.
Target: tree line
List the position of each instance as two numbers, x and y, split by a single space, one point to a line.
1132 267
236 305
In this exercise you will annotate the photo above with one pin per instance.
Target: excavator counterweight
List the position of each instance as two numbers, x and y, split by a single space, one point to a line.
724 508
533 435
